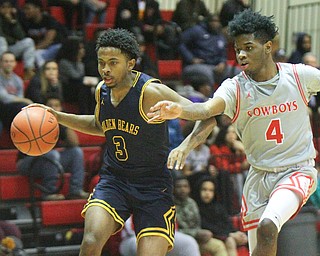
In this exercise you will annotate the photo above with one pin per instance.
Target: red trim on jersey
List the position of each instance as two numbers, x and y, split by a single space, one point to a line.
247 225
296 75
244 75
279 66
238 102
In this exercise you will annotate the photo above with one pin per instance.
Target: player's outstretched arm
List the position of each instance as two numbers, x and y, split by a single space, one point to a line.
83 123
199 134
164 110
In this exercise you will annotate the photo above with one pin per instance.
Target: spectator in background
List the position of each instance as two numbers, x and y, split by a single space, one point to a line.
14 39
230 8
167 37
199 90
144 63
310 59
227 155
70 9
189 220
197 160
95 9
127 16
76 89
184 245
151 17
303 45
215 217
189 13
204 53
227 12
228 151
314 103
10 240
45 82
46 166
175 133
90 59
280 55
47 33
11 90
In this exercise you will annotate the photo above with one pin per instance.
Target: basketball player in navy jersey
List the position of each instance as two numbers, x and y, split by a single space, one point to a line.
268 104
134 178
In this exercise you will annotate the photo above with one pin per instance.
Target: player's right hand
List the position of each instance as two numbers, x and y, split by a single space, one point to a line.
164 110
51 110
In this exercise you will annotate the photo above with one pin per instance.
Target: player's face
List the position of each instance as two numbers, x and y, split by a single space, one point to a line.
251 54
8 62
207 192
114 66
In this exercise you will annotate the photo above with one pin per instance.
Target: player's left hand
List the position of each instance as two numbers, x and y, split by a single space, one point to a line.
177 157
164 110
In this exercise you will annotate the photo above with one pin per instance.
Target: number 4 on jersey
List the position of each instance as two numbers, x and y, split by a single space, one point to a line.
274 131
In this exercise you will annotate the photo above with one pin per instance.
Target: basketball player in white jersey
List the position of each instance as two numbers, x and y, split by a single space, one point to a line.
267 103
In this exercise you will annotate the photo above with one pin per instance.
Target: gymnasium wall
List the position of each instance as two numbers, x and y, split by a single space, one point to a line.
291 16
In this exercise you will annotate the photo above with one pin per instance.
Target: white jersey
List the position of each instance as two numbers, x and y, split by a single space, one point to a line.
273 125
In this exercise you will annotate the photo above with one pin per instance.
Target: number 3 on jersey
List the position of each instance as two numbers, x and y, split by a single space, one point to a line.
121 151
274 131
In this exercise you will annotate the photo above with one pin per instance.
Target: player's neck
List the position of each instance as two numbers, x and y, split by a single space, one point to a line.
265 73
120 91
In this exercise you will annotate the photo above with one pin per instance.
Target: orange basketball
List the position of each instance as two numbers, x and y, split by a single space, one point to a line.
34 131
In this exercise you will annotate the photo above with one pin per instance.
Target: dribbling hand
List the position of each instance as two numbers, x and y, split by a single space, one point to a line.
164 110
51 110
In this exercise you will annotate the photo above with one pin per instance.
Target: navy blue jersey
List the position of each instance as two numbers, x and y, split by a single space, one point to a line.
133 146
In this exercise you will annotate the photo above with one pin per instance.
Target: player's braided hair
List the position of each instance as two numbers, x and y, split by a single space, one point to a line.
121 39
249 22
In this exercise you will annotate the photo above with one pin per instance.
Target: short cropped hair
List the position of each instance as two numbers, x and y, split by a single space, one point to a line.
121 39
248 22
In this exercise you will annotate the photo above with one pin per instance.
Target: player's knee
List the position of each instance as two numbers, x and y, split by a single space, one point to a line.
267 230
90 241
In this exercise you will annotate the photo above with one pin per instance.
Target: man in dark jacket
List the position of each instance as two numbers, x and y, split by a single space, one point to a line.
203 49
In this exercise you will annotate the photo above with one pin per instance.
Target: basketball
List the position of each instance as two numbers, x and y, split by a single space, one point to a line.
34 131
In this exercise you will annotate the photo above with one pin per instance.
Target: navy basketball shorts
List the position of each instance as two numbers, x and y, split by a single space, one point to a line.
149 199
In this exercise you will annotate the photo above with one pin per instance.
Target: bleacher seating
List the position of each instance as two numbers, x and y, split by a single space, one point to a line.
57 13
65 212
111 15
166 15
5 140
113 3
19 69
170 69
17 187
90 29
51 216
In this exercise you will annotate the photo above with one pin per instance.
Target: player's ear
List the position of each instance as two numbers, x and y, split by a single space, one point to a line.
268 47
131 64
